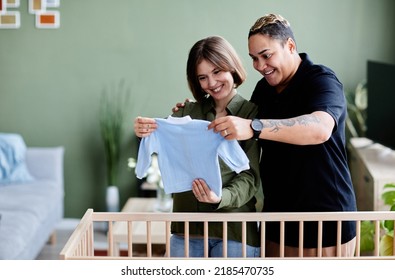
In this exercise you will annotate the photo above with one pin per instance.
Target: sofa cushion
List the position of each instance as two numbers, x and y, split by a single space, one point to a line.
13 167
37 197
16 232
23 209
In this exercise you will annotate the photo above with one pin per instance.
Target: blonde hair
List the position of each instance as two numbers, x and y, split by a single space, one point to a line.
220 53
274 26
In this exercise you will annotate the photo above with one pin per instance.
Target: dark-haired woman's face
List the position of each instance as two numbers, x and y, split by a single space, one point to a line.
214 81
273 60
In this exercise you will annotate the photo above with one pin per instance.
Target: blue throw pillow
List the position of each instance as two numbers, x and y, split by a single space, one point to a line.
13 167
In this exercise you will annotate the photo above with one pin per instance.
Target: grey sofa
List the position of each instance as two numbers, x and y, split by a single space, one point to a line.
29 212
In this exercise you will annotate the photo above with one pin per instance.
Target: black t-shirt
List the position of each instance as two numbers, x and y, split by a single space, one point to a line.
310 178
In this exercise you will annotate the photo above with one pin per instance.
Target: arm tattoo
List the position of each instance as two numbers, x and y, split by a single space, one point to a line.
304 120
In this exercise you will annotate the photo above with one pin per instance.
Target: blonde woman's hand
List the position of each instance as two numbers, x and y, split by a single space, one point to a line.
203 193
143 127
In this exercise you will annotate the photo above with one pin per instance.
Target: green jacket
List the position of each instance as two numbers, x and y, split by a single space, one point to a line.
240 192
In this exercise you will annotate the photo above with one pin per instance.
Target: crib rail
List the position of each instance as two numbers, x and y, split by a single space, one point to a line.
81 243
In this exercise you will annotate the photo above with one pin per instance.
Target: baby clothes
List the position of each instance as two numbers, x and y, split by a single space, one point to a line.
186 151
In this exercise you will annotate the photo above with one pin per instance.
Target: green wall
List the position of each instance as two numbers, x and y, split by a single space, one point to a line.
51 80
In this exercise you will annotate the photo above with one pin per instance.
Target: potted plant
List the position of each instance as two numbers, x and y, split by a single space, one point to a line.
386 241
357 103
112 114
368 229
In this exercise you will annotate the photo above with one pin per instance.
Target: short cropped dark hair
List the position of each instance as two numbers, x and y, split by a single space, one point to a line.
274 26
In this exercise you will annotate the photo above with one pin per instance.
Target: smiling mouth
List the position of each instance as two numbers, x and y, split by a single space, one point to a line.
268 73
218 89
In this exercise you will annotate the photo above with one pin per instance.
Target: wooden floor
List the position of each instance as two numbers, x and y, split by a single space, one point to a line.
66 228
63 233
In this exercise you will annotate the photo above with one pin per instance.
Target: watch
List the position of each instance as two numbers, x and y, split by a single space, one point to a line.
257 127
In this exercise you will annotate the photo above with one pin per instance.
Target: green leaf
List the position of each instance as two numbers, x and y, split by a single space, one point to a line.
388 197
388 225
386 186
367 236
386 245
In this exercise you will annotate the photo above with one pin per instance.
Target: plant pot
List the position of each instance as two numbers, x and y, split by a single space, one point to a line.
112 199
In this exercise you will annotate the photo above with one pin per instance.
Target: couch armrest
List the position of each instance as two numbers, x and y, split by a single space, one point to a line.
46 163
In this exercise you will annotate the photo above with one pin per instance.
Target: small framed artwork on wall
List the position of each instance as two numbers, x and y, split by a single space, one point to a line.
37 6
9 3
49 19
9 19
45 18
52 3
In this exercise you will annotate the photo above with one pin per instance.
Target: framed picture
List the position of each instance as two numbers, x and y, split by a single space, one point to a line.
48 19
52 3
37 6
10 20
9 4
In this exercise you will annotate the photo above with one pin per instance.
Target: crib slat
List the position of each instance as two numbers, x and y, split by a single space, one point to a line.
130 239
149 240
110 239
225 239
377 238
186 239
263 238
205 237
90 241
244 238
358 239
319 243
282 239
168 223
393 242
301 233
339 239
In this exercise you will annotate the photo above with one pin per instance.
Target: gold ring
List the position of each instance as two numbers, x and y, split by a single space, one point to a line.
226 132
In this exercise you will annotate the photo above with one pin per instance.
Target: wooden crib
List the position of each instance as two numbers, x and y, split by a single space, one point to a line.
81 243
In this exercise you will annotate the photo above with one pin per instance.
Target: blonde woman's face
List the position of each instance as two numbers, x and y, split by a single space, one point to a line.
214 81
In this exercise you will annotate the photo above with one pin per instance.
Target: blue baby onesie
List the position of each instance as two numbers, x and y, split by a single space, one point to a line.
186 151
